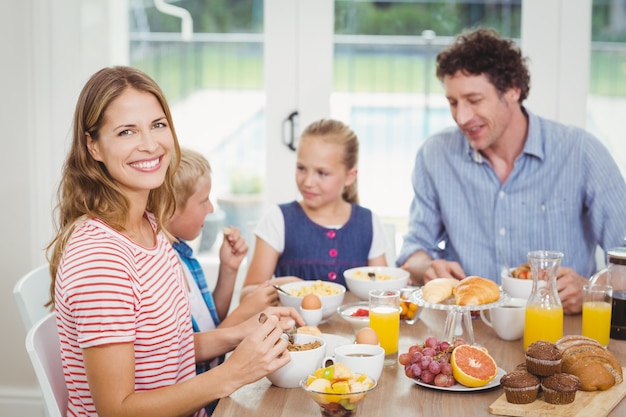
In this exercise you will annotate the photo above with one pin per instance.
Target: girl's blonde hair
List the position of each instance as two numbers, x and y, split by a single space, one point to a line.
86 189
338 133
193 166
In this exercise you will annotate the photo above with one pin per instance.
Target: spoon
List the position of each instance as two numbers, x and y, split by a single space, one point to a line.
289 333
280 289
372 275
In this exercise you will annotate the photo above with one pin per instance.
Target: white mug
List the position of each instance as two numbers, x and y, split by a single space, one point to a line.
507 320
360 358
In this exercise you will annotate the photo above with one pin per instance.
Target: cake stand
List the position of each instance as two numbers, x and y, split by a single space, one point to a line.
457 316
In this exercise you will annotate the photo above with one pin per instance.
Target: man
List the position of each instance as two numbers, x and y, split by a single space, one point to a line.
505 181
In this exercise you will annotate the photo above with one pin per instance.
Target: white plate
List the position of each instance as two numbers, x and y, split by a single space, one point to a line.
333 341
461 388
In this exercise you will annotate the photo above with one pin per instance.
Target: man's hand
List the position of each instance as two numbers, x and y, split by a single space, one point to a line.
570 287
443 269
423 269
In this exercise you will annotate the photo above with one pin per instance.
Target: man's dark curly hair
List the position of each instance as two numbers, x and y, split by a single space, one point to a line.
483 51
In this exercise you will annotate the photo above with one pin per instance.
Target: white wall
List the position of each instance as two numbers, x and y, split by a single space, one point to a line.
49 48
556 37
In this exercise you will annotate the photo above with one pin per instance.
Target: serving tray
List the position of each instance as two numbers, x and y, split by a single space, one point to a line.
587 403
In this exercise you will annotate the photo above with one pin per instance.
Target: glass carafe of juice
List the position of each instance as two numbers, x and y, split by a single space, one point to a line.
544 311
615 276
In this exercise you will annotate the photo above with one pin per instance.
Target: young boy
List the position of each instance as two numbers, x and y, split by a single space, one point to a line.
192 186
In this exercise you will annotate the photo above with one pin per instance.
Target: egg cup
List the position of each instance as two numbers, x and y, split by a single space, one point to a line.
311 317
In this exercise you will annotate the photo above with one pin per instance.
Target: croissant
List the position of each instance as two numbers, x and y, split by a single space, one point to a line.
439 289
473 291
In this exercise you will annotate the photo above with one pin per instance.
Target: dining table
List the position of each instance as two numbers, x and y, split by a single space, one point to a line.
395 393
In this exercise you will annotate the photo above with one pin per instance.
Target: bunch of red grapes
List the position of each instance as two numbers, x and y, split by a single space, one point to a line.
430 361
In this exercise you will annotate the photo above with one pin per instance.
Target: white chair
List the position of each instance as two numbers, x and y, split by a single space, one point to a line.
42 345
31 292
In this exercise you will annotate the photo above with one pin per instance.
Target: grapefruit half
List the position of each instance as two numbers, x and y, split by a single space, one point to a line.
472 366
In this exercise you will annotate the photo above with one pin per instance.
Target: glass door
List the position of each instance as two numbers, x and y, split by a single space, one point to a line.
235 82
385 85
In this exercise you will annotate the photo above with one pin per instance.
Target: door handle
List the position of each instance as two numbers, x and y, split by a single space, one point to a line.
289 130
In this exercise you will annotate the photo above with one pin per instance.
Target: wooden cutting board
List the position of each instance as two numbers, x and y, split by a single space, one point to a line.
587 403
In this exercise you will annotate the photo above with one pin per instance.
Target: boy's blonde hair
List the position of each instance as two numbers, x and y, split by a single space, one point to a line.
193 166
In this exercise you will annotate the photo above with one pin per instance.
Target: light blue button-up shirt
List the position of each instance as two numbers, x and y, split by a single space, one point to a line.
565 193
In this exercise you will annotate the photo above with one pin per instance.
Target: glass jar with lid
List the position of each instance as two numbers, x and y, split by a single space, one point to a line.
615 276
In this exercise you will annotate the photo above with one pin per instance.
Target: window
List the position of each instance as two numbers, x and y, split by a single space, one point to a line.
606 104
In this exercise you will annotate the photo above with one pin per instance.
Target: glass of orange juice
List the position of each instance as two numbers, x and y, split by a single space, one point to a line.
597 300
385 321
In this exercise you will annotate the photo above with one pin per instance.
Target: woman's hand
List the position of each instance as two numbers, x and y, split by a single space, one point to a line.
260 353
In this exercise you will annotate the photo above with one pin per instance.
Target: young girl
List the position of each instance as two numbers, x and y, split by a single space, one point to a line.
326 232
123 317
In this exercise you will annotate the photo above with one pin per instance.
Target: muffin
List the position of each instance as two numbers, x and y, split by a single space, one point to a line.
543 358
560 388
520 386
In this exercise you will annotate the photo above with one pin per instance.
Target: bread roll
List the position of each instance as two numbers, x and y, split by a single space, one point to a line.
596 367
439 289
474 291
311 330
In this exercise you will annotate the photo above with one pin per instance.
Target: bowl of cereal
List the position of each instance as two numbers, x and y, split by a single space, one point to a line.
307 353
363 279
517 282
330 293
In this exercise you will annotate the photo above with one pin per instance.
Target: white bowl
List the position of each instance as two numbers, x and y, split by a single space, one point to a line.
516 287
360 285
303 363
346 312
329 302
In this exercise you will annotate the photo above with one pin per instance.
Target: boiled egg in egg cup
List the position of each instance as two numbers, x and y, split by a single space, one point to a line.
311 309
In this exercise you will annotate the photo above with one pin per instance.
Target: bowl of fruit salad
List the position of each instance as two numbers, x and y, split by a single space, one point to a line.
337 390
517 282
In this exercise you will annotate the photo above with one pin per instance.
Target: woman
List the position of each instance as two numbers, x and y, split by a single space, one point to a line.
123 316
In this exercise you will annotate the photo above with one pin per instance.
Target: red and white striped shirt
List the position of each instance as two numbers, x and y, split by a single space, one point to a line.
111 290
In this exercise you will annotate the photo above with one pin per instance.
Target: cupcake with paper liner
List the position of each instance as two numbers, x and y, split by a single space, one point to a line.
560 388
543 358
520 386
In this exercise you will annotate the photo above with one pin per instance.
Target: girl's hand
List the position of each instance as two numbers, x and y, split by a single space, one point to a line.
234 248
284 280
287 316
263 296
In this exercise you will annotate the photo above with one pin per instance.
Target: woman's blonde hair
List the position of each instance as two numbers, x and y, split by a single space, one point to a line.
338 133
193 166
86 189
